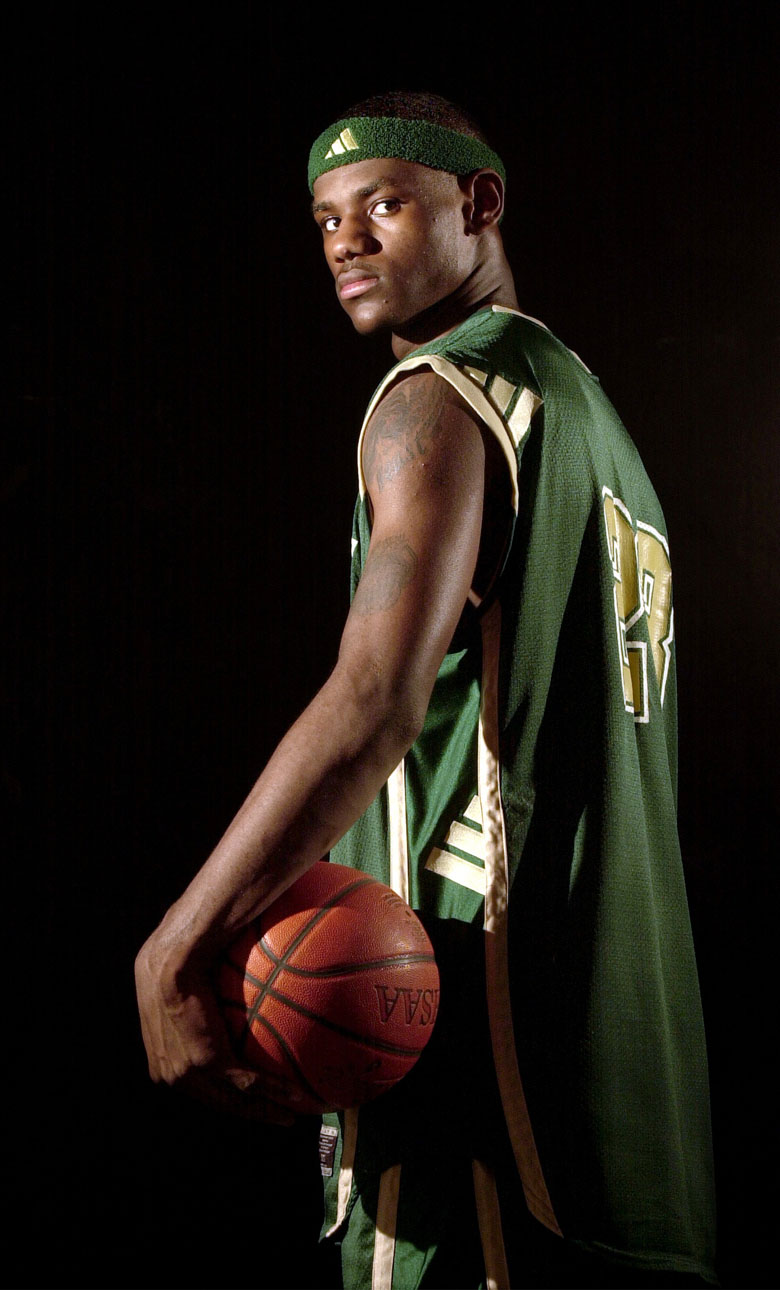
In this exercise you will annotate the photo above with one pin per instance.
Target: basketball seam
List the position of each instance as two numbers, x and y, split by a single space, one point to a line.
339 969
303 933
291 1058
380 1044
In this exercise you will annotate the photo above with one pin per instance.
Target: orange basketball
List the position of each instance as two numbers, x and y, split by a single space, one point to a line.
335 988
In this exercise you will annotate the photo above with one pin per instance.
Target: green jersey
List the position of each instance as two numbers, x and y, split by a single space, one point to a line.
539 806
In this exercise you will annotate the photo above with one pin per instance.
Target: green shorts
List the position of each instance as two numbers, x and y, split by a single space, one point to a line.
427 1221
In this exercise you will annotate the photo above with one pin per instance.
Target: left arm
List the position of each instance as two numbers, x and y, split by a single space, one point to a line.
425 466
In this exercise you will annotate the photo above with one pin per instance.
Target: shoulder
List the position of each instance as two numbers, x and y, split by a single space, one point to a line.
418 418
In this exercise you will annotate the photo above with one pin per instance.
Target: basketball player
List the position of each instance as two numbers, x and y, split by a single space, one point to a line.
497 741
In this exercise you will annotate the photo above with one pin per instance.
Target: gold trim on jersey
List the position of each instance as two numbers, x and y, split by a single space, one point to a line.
473 812
466 839
496 932
524 410
473 386
500 393
399 838
456 869
468 868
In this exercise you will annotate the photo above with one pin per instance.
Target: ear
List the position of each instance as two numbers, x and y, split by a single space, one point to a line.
483 207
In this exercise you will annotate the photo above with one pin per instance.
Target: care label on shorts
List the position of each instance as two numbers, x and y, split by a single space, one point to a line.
329 1136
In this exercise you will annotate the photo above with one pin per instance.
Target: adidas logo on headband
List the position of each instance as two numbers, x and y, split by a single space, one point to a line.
344 142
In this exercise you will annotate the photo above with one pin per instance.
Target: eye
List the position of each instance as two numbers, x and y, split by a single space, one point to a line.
386 206
329 224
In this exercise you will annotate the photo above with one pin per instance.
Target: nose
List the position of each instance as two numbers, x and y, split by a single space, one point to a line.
353 238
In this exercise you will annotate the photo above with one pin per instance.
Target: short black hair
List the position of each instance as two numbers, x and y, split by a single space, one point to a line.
412 105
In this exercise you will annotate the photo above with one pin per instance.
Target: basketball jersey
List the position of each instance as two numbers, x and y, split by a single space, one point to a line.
539 805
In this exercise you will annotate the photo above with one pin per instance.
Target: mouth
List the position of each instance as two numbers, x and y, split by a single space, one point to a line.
355 282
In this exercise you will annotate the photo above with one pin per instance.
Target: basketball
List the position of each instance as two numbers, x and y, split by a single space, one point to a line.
334 987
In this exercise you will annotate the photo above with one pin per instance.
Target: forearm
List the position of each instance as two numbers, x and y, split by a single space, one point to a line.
323 775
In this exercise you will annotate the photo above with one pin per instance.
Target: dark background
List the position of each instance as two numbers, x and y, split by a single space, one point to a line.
178 479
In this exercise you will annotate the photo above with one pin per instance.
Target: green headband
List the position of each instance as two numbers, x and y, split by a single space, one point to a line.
357 138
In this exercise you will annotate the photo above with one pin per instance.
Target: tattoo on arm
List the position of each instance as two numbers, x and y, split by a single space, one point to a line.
401 429
391 566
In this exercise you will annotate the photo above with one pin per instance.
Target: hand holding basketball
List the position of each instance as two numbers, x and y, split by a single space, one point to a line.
187 1043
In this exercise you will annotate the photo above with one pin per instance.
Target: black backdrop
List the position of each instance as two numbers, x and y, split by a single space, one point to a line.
177 479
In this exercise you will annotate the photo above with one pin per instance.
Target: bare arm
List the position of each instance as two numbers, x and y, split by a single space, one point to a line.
425 465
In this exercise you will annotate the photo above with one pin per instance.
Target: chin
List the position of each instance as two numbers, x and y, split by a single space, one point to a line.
369 327
367 322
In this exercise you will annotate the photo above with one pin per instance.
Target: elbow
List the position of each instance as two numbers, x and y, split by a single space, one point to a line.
391 712
406 718
398 717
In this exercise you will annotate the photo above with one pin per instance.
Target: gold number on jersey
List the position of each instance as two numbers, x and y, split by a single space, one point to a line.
642 589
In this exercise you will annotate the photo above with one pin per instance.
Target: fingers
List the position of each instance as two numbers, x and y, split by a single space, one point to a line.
264 1083
187 1045
231 1092
242 1079
276 1096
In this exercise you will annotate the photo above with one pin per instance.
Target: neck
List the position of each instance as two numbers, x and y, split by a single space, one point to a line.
490 283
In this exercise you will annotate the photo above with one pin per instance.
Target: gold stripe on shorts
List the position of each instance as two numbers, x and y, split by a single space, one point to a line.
490 1231
384 1241
347 1165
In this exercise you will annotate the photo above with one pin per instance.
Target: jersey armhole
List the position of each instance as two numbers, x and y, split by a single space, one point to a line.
469 389
505 410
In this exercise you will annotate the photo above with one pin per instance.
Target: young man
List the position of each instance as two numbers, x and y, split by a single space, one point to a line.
497 741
